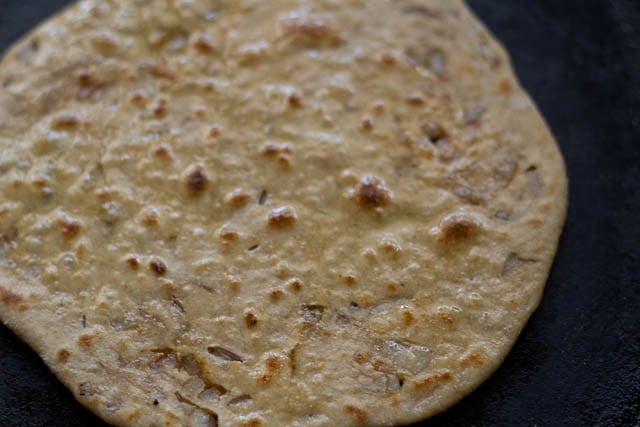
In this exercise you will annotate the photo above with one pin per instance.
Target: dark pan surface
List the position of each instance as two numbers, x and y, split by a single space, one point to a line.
577 362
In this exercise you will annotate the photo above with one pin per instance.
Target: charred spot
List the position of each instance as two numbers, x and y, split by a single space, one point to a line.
295 284
391 247
360 357
358 413
150 216
276 294
407 317
388 59
447 317
163 151
40 182
369 254
139 99
380 365
196 181
415 100
433 380
282 217
65 122
158 267
63 355
161 71
87 79
161 109
237 198
85 341
228 236
274 363
505 86
273 366
474 357
311 31
70 227
250 319
155 402
349 278
273 149
457 227
205 44
90 85
8 297
371 193
265 378
214 132
295 101
253 248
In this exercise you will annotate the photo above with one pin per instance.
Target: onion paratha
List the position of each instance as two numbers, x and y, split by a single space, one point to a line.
305 213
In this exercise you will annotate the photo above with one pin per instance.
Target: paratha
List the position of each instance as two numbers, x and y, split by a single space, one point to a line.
245 213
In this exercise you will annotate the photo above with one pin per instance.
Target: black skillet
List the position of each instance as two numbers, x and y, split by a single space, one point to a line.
577 362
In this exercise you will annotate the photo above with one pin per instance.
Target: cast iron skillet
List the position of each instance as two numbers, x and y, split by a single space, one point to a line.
578 360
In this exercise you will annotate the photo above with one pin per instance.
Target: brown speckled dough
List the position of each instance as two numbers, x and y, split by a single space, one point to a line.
271 213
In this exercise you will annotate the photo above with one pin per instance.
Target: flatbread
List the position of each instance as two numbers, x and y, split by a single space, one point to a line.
245 213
